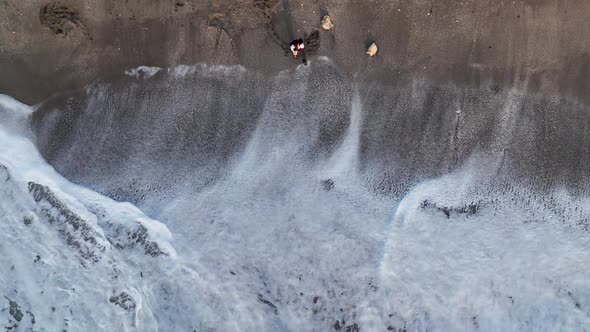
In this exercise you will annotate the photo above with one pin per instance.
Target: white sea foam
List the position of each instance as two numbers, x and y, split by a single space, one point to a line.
42 275
283 243
143 72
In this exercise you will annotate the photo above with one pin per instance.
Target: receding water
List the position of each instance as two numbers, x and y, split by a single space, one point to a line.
310 202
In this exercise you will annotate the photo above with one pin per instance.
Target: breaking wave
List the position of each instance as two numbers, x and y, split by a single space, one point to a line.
304 201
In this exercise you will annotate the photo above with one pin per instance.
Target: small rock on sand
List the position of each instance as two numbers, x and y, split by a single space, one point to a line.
372 50
327 23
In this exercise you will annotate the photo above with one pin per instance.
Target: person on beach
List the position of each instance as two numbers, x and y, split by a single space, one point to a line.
296 47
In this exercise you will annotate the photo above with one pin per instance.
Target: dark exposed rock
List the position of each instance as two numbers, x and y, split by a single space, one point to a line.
466 209
140 236
27 220
352 328
124 238
394 329
33 321
4 174
14 310
79 234
268 303
71 227
337 326
328 184
123 300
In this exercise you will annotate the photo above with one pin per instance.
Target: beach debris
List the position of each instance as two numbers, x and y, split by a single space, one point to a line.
327 23
372 50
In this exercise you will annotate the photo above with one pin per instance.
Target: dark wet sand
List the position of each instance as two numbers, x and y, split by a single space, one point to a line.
532 45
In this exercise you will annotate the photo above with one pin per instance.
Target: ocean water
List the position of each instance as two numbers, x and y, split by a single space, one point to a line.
209 198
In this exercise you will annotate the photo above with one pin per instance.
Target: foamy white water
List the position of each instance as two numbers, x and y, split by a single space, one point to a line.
344 163
283 242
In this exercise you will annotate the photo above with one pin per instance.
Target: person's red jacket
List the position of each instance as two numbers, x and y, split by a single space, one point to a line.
296 47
